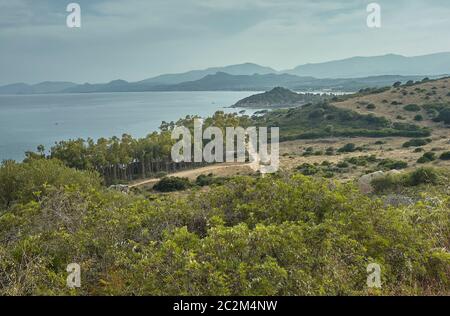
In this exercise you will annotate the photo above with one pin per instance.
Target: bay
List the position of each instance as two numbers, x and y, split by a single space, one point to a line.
27 121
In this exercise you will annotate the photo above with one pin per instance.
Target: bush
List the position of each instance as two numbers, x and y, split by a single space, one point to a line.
427 157
391 164
329 151
445 156
206 180
362 160
417 142
342 165
412 108
171 184
348 148
423 176
308 169
418 118
371 106
444 116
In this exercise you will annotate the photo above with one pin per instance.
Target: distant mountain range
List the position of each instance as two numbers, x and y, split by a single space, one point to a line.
434 64
348 75
241 69
43 87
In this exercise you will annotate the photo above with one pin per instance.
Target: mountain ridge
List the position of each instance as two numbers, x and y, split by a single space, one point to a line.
351 73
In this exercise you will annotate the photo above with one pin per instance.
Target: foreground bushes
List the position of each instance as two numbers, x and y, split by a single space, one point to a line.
277 235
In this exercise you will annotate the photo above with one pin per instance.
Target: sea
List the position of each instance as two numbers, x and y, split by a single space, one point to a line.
27 121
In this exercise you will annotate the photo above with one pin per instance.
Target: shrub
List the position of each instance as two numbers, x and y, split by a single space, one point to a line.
445 156
205 180
418 118
391 164
387 183
329 151
417 142
362 160
427 157
347 148
171 184
371 106
444 116
342 165
308 169
423 176
412 108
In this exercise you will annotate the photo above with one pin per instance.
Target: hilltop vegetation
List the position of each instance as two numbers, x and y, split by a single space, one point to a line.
278 98
325 120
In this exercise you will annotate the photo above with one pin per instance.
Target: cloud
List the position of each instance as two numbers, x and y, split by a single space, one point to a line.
135 39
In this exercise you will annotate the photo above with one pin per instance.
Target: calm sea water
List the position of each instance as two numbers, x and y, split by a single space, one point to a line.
29 120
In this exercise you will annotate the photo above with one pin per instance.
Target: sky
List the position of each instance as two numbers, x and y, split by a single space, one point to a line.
138 39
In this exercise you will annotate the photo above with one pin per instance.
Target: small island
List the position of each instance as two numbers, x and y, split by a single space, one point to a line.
278 97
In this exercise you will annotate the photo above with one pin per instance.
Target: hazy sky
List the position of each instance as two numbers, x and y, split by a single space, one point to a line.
136 39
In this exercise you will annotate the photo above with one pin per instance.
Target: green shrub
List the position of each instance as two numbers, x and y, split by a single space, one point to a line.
342 165
427 157
362 160
391 164
417 142
329 151
206 180
418 118
347 148
423 176
171 184
445 156
308 169
444 116
412 108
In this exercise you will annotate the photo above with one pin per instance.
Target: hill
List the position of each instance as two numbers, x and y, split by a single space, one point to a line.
434 64
277 97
